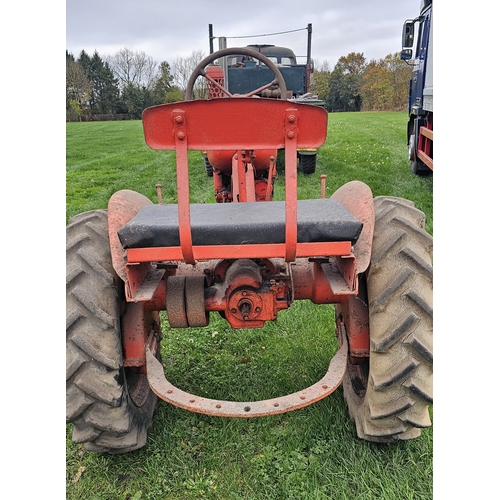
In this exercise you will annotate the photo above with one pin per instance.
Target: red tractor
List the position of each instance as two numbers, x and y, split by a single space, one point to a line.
247 257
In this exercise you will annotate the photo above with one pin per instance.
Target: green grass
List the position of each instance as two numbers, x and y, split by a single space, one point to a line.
312 453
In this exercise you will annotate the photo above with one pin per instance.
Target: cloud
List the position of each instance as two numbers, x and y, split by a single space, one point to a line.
166 30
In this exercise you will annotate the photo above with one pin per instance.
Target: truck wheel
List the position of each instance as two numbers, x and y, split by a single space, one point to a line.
307 163
388 395
110 406
420 168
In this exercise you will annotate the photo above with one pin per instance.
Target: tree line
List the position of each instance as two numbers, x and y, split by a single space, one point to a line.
122 85
357 85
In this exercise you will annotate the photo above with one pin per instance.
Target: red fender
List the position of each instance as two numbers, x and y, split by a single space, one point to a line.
353 313
357 197
122 206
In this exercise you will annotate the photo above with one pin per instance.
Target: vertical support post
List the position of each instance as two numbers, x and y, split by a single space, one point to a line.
211 38
291 119
181 151
223 60
309 38
323 185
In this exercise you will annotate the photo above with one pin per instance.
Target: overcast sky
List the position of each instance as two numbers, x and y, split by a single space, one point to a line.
167 29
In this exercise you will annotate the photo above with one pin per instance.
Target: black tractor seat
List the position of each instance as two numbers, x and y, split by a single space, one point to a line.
318 220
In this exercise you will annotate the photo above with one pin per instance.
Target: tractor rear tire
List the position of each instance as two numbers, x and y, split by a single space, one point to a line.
388 396
110 406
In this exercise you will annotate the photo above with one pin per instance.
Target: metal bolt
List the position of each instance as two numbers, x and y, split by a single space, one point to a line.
179 119
291 135
247 408
291 118
181 136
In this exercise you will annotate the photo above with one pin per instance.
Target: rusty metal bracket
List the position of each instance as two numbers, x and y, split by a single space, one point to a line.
324 387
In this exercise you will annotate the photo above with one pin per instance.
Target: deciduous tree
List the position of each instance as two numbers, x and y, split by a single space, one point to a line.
78 89
131 67
183 69
345 83
385 84
319 80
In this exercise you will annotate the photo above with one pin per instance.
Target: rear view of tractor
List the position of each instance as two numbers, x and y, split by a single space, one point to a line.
247 257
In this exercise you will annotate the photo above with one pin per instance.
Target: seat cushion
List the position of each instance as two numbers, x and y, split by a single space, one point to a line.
318 220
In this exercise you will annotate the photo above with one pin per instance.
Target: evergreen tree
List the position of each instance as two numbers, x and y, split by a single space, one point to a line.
163 85
136 98
105 92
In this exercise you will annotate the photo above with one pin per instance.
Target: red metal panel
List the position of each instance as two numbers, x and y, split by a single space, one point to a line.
425 140
266 251
235 123
357 197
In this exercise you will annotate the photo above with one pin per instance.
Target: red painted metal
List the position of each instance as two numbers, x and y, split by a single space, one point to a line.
352 313
180 138
323 185
324 387
137 325
215 81
233 124
250 251
357 197
122 207
425 142
260 159
159 194
291 144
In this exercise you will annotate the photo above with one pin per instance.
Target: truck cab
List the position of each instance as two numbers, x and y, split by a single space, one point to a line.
245 73
417 50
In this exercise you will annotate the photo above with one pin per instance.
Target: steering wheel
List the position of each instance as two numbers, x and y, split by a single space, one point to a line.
200 71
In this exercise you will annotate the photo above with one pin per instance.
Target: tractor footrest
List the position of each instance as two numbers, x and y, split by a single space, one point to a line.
318 220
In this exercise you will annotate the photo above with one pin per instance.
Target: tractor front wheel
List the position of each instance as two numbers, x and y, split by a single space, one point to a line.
307 163
110 406
388 394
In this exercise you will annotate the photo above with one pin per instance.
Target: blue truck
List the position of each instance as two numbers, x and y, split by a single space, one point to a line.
417 50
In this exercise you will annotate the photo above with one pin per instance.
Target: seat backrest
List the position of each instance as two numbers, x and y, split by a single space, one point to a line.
234 123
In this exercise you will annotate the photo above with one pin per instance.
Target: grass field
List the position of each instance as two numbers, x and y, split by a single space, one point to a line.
312 453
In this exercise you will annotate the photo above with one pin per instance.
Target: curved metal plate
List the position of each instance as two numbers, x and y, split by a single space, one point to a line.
357 197
168 392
